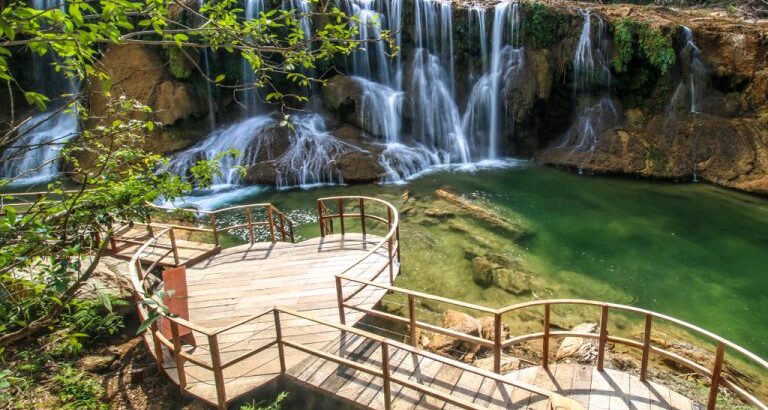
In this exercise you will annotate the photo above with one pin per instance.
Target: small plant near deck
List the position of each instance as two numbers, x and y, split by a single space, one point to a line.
277 404
77 390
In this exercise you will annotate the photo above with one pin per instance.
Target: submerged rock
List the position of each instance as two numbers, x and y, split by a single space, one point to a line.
482 271
513 281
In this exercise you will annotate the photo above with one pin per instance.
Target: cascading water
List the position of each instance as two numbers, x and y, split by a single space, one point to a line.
416 118
309 160
253 9
381 109
246 137
690 91
596 111
482 118
34 157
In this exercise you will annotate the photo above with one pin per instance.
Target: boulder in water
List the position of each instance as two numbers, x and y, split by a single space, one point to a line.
514 281
342 95
359 166
264 173
482 271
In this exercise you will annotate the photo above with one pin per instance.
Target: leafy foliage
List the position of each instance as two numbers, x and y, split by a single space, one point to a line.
78 391
643 55
634 39
277 404
541 24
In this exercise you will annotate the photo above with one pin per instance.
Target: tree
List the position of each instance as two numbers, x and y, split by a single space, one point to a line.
54 244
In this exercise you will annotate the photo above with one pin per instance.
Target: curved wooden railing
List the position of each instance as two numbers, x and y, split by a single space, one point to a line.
497 344
276 222
149 305
391 239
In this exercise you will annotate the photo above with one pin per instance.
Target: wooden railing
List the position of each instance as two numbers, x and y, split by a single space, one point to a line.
497 344
384 371
364 214
278 225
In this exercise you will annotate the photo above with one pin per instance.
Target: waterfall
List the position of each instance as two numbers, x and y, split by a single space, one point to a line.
34 157
246 137
253 9
310 157
596 110
402 162
482 120
477 17
381 109
690 91
583 62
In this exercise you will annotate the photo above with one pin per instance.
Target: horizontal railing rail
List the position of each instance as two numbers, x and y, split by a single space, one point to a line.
276 221
385 372
497 344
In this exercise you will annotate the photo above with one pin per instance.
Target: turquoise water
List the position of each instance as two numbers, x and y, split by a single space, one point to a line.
693 251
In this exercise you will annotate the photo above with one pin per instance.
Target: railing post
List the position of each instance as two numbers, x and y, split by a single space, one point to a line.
715 382
341 214
218 372
173 247
362 218
290 230
545 340
177 355
389 248
603 337
340 301
279 338
321 217
385 375
497 342
282 226
412 319
157 346
397 236
271 219
250 224
646 347
215 229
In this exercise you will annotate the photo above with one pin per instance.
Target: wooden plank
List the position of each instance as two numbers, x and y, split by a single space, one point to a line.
581 384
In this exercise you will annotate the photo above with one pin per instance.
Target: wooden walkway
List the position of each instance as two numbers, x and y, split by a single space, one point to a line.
243 281
127 243
607 390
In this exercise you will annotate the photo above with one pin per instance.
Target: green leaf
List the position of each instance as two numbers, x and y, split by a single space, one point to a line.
219 78
180 38
36 99
74 11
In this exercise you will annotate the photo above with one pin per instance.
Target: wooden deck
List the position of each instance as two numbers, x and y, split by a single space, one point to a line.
128 243
240 282
607 390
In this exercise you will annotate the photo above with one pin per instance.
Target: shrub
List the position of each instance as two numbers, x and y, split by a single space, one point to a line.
77 390
635 39
541 24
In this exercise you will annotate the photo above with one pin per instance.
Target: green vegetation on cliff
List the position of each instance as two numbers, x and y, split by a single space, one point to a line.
635 39
541 24
643 55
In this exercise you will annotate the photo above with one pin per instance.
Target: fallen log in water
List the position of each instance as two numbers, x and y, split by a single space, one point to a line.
482 214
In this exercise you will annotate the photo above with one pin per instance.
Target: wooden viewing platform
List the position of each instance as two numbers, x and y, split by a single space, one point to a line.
278 309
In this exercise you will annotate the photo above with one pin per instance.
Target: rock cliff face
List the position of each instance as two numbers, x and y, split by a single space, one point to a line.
724 141
141 73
